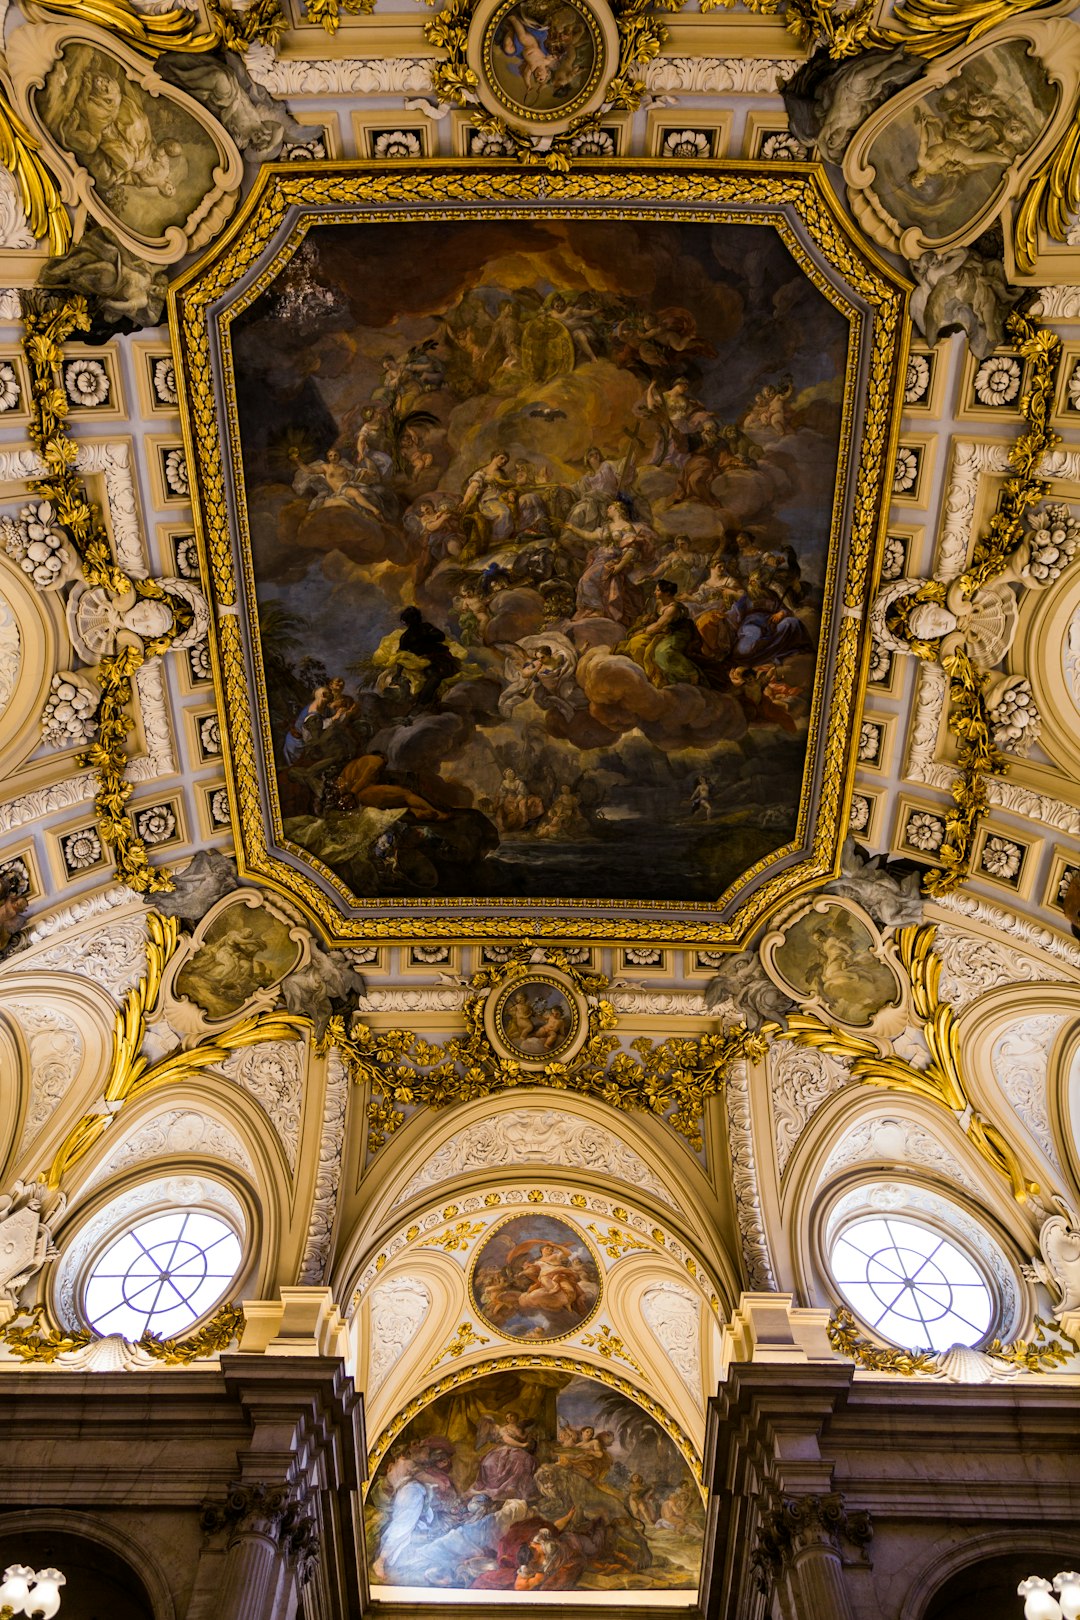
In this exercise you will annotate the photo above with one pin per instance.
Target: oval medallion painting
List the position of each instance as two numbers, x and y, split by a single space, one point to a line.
534 1480
535 1018
535 1277
542 58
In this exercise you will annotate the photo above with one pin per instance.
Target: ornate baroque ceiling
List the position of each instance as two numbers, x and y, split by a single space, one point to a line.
539 686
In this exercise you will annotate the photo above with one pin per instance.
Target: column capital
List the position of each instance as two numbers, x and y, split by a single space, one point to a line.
280 1514
799 1523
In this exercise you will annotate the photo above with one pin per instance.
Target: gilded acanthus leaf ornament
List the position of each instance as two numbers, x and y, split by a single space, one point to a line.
672 1079
29 1338
178 29
1042 1353
941 1081
39 193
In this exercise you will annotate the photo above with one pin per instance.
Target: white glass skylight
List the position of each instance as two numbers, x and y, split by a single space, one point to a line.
163 1274
911 1284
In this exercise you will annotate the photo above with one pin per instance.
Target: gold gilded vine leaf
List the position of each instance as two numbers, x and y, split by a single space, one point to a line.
672 1079
941 1080
1048 1349
30 1339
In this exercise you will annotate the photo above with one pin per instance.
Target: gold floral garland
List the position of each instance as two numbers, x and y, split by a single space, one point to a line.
978 757
1042 1353
47 323
34 1342
671 1079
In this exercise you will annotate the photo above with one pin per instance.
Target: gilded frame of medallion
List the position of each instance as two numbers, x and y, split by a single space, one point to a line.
794 200
516 980
604 36
551 1338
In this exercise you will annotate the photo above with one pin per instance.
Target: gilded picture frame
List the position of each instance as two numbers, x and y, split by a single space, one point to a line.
794 201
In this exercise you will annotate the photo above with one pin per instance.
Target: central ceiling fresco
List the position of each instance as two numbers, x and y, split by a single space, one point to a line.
546 523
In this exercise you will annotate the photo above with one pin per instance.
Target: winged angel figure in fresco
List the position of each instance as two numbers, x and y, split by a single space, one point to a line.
540 554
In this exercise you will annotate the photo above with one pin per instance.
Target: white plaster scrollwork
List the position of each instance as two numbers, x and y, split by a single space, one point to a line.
896 1141
177 1131
398 1307
1019 1060
1057 1266
973 965
1057 303
273 1073
10 305
56 1051
113 955
351 76
674 1317
800 1080
10 644
65 795
718 75
535 1136
331 1144
14 231
744 1179
25 1237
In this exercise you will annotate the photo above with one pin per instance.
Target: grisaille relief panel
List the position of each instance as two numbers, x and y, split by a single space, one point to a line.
542 516
140 155
937 162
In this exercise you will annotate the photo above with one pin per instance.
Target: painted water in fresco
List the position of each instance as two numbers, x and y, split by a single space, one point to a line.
539 514
539 1481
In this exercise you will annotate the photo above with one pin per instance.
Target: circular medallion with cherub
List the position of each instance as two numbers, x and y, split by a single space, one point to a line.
535 1277
537 1016
542 62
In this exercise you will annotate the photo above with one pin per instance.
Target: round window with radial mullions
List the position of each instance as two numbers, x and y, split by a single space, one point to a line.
162 1275
911 1284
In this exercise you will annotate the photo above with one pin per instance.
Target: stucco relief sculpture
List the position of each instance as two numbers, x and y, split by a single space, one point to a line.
26 1217
931 169
828 956
1057 1266
136 153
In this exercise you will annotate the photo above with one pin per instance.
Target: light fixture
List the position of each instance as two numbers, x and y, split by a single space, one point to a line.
30 1592
1040 1605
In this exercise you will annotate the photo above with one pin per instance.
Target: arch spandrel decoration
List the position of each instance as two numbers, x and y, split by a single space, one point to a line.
382 859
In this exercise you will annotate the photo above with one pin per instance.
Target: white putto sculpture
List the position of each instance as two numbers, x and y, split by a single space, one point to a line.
25 1236
1058 1265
